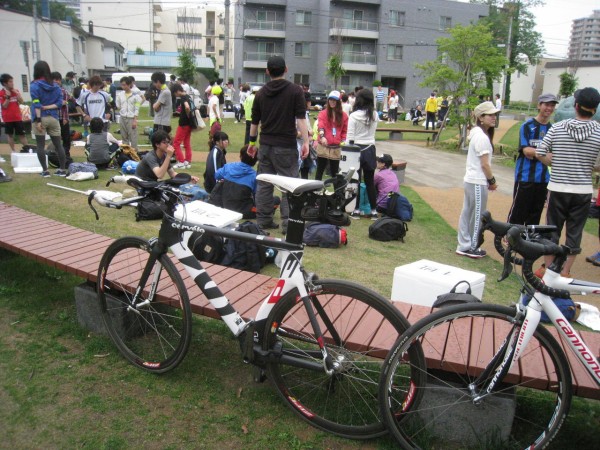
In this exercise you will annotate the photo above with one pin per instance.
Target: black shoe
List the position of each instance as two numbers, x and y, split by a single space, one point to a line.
5 179
268 226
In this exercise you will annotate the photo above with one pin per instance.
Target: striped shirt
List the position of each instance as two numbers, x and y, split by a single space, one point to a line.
379 96
531 170
575 145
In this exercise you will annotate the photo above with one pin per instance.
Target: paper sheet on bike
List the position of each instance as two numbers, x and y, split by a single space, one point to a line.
201 213
422 281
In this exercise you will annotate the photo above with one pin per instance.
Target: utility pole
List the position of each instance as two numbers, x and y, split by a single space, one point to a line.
226 50
36 42
508 52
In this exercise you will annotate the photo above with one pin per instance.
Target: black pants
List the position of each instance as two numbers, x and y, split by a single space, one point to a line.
65 136
322 163
247 136
430 118
528 203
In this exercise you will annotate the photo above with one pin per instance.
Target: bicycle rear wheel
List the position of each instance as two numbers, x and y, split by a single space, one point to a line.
153 332
359 327
526 408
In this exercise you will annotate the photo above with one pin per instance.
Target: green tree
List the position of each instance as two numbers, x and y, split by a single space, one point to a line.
58 11
139 51
465 59
187 65
568 84
525 46
334 68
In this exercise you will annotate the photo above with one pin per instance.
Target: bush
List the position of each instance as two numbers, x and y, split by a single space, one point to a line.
377 83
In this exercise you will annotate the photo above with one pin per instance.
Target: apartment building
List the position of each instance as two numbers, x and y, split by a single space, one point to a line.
585 38
377 39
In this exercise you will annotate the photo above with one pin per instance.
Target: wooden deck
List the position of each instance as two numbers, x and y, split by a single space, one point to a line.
78 252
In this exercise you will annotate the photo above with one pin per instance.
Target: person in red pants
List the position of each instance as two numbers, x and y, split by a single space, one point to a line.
183 135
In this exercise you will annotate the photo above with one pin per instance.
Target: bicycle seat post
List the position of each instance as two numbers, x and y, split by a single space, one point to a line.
295 228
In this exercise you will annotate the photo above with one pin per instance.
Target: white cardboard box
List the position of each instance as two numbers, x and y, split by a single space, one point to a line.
202 213
422 281
26 163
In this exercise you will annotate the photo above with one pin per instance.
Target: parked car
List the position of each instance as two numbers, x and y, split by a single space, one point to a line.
318 95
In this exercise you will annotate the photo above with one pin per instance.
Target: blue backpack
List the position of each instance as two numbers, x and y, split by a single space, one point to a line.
566 305
399 207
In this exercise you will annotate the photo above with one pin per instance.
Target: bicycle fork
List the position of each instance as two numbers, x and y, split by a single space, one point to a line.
155 254
509 352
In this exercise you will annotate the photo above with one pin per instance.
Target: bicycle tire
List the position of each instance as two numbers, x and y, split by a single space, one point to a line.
447 416
344 403
156 336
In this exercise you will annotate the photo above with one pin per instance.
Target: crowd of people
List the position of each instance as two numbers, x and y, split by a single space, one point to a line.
289 145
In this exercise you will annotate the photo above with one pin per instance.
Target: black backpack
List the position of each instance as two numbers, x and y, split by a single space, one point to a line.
206 247
245 255
388 229
399 207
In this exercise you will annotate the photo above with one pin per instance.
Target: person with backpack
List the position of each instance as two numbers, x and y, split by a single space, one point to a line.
386 181
47 100
95 102
184 128
478 181
362 125
101 145
216 158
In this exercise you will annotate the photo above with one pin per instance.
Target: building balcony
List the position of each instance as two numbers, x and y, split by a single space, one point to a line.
359 62
157 38
264 29
354 28
157 5
257 60
210 49
157 21
267 2
368 2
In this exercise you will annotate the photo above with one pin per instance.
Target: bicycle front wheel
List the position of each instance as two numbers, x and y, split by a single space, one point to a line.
151 329
359 327
524 410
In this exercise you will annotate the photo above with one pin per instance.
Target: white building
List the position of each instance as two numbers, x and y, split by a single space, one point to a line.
528 86
586 72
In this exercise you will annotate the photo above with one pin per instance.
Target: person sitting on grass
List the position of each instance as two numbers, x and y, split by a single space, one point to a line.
156 164
101 145
236 185
385 181
216 158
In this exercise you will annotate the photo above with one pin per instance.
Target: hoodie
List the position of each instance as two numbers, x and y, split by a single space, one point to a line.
359 131
238 172
575 146
44 94
276 107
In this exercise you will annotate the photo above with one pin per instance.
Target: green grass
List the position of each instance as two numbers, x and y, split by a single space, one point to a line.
62 387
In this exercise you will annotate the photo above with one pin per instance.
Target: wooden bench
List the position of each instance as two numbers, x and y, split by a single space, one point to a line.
78 252
397 134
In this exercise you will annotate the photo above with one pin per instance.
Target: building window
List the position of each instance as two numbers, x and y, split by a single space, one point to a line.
353 14
397 18
395 52
82 44
221 37
24 83
301 78
445 22
303 18
266 16
302 50
220 52
189 19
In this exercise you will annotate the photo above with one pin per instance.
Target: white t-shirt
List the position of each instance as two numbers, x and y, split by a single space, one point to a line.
213 100
479 145
393 103
498 104
94 104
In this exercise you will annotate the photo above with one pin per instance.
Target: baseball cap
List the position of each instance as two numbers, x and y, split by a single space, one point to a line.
275 63
547 98
385 159
334 95
485 108
588 98
255 88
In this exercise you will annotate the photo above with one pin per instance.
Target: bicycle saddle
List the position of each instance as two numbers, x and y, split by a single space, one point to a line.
294 186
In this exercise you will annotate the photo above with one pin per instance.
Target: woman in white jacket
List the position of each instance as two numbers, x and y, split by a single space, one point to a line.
362 125
478 180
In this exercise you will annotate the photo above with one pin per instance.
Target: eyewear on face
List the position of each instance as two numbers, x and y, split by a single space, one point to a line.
165 141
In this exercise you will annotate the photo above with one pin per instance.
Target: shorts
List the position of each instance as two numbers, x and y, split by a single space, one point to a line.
334 153
571 210
14 128
165 128
50 126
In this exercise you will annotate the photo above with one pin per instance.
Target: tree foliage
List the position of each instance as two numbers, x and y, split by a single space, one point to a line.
464 60
58 11
568 84
334 68
187 65
526 45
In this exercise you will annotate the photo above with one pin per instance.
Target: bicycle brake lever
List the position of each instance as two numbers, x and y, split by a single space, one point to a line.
507 270
90 199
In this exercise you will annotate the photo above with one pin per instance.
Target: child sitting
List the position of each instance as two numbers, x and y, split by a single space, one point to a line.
385 181
101 145
216 158
236 185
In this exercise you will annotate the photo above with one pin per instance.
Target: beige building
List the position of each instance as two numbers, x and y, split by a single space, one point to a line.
585 38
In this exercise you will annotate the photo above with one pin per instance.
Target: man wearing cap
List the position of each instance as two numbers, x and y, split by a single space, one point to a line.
572 147
278 106
531 176
478 180
385 181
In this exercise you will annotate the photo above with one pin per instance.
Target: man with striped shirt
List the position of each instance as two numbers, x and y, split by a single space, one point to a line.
531 176
572 147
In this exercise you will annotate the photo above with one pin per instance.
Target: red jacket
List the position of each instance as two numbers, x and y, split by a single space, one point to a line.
328 126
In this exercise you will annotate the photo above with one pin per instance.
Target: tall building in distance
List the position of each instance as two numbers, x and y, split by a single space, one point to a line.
376 39
75 5
585 38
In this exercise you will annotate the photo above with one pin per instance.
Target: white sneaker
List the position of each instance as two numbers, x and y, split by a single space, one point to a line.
187 164
179 165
